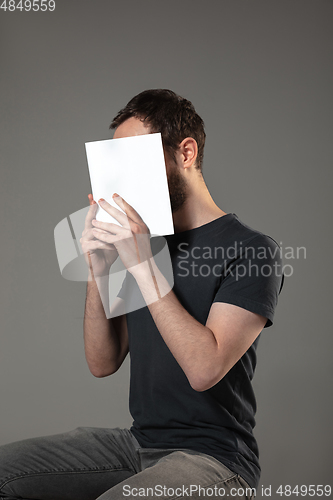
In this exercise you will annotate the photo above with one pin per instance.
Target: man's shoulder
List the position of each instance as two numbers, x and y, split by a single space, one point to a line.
237 230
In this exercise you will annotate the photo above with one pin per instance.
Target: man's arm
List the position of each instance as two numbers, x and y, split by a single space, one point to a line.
204 352
105 339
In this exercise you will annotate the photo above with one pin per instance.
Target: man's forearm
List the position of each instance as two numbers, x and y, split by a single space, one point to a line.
192 344
204 352
102 343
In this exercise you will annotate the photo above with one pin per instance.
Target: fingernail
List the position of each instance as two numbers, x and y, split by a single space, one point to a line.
114 195
101 200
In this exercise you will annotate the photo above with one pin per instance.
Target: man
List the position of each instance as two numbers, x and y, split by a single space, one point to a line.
192 347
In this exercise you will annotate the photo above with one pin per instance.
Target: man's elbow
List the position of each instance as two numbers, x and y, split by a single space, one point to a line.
201 385
101 372
202 382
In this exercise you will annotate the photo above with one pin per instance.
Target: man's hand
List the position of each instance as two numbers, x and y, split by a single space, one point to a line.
99 256
131 239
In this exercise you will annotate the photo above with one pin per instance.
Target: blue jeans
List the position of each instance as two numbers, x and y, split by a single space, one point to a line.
90 463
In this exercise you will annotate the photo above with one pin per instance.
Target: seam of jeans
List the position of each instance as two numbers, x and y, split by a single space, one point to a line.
62 472
247 487
221 481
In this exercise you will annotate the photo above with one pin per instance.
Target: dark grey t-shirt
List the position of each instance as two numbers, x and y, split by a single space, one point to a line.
222 261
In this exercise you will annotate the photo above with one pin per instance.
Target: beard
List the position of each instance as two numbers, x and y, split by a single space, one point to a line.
177 189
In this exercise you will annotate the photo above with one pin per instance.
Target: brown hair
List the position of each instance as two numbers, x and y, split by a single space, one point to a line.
168 113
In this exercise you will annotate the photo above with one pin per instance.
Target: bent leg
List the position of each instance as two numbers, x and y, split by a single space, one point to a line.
80 464
182 474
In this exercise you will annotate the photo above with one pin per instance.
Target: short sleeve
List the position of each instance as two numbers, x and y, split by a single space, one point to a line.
254 278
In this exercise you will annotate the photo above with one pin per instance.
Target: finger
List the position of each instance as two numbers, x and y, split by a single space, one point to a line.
98 245
117 214
127 208
114 238
104 236
91 212
88 238
107 226
87 235
91 199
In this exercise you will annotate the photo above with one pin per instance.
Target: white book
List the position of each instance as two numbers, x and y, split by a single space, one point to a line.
134 168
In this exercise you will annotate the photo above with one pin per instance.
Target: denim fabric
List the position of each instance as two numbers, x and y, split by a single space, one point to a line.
91 463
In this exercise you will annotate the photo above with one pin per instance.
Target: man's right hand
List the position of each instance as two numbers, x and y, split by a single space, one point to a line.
99 256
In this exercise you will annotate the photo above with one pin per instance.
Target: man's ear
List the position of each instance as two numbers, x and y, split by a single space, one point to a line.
188 150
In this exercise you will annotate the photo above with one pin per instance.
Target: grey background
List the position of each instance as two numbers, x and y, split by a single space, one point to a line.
260 74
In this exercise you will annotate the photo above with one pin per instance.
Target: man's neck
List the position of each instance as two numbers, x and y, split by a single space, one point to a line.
198 209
